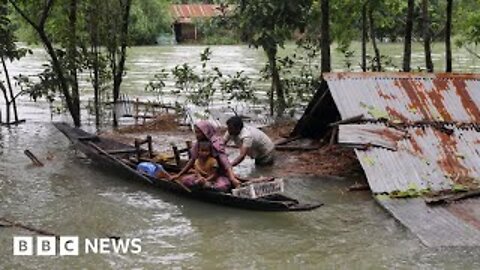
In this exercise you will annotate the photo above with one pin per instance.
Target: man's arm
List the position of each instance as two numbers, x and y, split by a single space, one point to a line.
241 157
247 143
226 138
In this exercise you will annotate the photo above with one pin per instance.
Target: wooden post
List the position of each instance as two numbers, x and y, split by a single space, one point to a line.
150 147
189 146
33 158
136 111
137 148
147 106
333 137
176 154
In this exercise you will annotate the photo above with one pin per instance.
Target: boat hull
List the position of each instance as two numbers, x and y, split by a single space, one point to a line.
82 141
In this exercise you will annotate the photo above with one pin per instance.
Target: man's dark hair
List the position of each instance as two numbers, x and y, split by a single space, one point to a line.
235 122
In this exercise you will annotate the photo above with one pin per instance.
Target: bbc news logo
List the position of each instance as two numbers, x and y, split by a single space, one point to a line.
71 246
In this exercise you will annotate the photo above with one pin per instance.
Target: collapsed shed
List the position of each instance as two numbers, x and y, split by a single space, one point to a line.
417 138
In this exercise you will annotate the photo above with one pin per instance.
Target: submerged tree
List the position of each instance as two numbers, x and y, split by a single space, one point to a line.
325 36
269 24
78 36
448 36
8 51
59 71
117 48
427 35
407 51
364 36
373 37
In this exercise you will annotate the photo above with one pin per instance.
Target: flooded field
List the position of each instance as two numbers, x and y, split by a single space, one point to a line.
72 196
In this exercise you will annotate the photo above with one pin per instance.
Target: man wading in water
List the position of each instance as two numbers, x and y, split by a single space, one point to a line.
251 141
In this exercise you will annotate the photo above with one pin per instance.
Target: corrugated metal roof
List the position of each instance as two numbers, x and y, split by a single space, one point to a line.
185 13
407 97
454 225
421 131
370 134
424 157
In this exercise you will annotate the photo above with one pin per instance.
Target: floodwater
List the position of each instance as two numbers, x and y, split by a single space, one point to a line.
71 196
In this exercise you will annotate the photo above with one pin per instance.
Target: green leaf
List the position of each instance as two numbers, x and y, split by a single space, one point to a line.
377 113
459 188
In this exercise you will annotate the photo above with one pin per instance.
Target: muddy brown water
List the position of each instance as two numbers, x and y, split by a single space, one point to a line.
72 196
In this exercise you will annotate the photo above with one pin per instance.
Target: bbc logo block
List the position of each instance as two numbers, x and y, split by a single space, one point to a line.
70 246
45 246
23 246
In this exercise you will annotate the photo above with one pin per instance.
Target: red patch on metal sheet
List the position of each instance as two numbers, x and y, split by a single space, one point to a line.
385 95
396 115
416 147
420 131
466 99
437 98
449 161
388 133
460 210
418 99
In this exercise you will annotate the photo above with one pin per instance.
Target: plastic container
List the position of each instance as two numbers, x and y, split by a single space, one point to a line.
149 168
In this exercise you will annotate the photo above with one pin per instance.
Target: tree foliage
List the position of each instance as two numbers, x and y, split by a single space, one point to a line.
269 24
149 19
469 25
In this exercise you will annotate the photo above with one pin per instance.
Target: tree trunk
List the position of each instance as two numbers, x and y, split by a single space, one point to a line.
7 103
118 76
271 99
72 56
407 51
12 99
61 77
427 36
94 49
96 80
276 82
378 63
448 35
364 37
325 37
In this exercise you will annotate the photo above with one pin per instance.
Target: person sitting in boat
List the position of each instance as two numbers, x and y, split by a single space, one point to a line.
206 166
251 141
225 179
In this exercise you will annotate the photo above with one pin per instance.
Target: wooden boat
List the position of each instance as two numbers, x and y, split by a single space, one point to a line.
118 156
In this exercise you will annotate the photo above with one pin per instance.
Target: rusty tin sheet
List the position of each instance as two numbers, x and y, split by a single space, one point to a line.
407 97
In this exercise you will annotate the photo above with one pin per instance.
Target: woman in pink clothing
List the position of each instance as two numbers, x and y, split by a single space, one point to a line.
206 132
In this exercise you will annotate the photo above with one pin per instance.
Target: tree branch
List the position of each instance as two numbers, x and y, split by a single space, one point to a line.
46 11
43 19
472 52
24 16
18 94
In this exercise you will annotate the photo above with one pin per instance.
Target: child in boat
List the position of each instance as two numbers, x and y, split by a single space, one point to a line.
206 132
206 166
